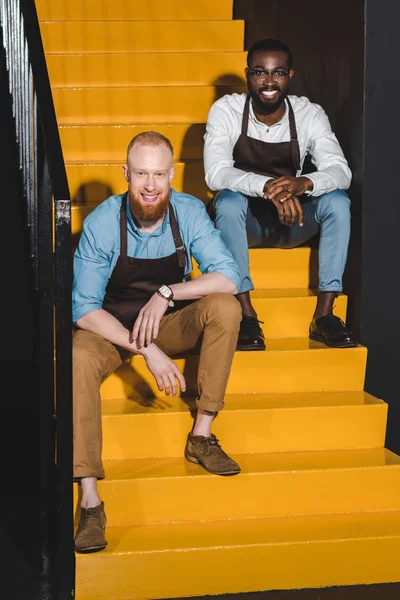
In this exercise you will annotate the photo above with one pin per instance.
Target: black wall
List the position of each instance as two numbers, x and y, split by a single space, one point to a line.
380 314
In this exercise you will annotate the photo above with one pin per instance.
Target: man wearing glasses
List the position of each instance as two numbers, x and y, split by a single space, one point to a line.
255 146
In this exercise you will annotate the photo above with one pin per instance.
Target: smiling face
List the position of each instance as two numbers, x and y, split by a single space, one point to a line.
269 93
149 173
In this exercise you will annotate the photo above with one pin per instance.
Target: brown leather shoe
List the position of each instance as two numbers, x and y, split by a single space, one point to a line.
90 536
207 452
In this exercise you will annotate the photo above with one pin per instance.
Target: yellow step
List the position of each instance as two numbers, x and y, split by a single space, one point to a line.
97 105
195 559
92 143
288 312
152 68
252 423
125 36
269 485
154 10
288 365
275 268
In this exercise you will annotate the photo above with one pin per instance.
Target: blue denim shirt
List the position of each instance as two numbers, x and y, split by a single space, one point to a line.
99 247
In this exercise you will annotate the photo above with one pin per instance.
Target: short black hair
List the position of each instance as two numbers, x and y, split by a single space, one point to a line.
269 45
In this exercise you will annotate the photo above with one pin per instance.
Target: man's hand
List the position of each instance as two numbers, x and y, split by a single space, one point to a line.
164 370
287 186
289 210
147 324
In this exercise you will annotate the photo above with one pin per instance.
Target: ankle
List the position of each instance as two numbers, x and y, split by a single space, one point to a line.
322 313
245 303
90 502
325 304
203 422
202 428
89 494
249 312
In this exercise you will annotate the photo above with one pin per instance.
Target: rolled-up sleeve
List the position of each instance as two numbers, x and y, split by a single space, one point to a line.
208 248
91 274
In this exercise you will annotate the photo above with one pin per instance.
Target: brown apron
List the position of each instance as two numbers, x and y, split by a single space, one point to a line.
134 280
273 159
267 158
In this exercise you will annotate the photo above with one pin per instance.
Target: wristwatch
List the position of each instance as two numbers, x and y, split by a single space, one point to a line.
165 292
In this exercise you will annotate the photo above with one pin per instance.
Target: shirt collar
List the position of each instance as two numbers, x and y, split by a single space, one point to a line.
159 231
257 122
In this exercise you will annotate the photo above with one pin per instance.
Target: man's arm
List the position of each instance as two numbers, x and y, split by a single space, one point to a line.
332 172
220 273
207 283
103 323
219 140
327 156
163 369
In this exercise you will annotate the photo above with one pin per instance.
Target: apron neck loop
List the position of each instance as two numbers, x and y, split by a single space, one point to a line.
292 126
180 248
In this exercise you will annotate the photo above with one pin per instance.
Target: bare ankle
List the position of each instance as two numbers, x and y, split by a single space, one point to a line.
90 496
203 423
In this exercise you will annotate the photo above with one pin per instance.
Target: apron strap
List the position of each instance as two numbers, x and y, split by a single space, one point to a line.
180 248
246 113
123 227
293 138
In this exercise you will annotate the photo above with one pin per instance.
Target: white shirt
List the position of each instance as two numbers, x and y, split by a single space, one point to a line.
314 134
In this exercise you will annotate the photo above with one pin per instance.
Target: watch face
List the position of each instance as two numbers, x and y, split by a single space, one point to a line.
165 291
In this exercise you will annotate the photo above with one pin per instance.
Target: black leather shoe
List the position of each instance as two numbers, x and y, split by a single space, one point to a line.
332 331
251 336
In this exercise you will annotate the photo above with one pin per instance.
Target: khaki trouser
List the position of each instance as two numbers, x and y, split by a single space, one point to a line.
212 321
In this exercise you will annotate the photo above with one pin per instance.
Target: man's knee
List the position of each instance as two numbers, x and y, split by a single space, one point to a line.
223 309
336 204
84 360
229 203
92 354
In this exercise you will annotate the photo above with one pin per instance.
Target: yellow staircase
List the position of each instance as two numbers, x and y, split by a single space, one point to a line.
318 500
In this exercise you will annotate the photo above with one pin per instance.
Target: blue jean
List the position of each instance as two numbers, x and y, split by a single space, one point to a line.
254 223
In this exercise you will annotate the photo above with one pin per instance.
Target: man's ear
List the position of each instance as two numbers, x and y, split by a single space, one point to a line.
126 172
171 174
291 73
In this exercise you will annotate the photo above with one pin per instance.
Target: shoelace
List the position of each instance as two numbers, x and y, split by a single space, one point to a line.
88 514
334 324
213 441
252 326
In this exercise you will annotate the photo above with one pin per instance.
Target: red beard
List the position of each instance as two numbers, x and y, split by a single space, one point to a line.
147 213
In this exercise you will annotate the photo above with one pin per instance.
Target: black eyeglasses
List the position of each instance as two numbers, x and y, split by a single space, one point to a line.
261 74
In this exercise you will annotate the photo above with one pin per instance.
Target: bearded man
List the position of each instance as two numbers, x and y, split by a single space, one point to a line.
131 295
254 151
